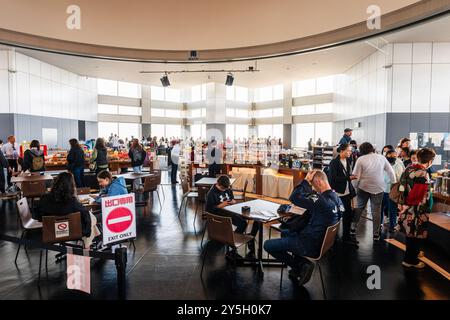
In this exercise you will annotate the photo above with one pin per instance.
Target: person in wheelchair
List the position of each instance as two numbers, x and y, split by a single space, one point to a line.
303 235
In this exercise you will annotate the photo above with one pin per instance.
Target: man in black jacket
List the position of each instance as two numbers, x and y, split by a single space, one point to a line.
340 177
75 162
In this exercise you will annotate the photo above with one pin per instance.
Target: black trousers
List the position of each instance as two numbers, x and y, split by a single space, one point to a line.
12 163
347 216
412 250
173 173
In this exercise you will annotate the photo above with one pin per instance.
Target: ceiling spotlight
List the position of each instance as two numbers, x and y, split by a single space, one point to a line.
230 79
165 80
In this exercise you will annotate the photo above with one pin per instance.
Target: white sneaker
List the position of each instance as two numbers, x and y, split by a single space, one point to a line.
420 265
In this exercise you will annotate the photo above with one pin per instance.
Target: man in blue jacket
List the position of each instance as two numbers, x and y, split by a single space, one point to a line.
347 137
324 209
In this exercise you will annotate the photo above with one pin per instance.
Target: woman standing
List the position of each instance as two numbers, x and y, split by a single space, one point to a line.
340 177
99 160
137 155
413 218
75 162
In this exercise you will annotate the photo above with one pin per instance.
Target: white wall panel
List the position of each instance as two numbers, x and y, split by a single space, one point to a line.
22 63
402 53
421 88
23 93
422 52
35 67
440 88
3 59
441 52
4 91
401 89
35 95
46 71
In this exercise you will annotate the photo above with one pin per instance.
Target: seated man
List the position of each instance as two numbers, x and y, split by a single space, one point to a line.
324 209
220 196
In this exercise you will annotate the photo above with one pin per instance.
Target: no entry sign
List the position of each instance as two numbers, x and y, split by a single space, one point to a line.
119 218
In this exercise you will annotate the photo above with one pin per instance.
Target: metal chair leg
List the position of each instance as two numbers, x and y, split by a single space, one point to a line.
40 266
181 206
321 280
203 236
46 262
281 276
18 249
162 190
159 199
204 258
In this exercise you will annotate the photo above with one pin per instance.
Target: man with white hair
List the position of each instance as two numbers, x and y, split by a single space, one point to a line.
323 209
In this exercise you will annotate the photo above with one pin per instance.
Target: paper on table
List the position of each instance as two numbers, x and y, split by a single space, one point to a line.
262 215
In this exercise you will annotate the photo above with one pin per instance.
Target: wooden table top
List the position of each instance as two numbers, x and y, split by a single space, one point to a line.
31 178
134 176
441 219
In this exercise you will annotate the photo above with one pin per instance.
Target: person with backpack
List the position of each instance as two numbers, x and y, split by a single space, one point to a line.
99 159
415 202
33 158
137 155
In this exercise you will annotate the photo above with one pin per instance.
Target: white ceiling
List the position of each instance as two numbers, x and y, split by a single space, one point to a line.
275 70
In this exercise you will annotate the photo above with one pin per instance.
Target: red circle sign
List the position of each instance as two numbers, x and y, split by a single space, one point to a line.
62 226
119 220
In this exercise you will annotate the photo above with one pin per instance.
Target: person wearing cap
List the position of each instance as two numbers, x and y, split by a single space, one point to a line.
346 138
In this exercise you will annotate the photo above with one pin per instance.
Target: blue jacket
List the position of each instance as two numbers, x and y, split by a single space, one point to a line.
325 210
116 188
345 139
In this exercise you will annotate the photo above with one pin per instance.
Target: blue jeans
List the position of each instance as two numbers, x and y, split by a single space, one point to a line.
282 248
137 182
391 207
78 175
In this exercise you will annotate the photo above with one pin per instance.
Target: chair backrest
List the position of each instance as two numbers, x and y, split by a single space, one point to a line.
203 193
150 184
85 190
220 229
328 240
33 189
114 167
157 174
25 216
185 185
61 228
245 188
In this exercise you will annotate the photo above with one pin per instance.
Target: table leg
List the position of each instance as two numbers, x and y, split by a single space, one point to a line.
260 249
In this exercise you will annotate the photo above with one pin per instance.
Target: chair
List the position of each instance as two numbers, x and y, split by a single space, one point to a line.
328 241
59 229
151 185
85 190
220 229
33 189
157 173
201 199
241 197
187 193
114 167
276 227
27 223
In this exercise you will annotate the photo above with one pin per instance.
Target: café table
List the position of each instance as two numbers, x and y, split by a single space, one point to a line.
262 211
31 178
134 176
210 181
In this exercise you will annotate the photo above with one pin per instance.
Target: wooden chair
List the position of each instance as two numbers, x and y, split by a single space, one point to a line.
85 190
53 231
27 223
114 167
220 229
201 199
187 194
33 190
328 241
151 185
241 197
157 173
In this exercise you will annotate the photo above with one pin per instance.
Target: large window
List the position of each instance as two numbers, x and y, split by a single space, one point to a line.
197 113
312 109
303 132
118 88
269 93
198 93
198 131
165 94
313 86
170 113
237 93
166 130
268 113
236 131
123 110
270 130
241 113
123 130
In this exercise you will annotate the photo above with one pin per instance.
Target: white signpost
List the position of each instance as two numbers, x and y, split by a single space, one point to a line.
119 218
